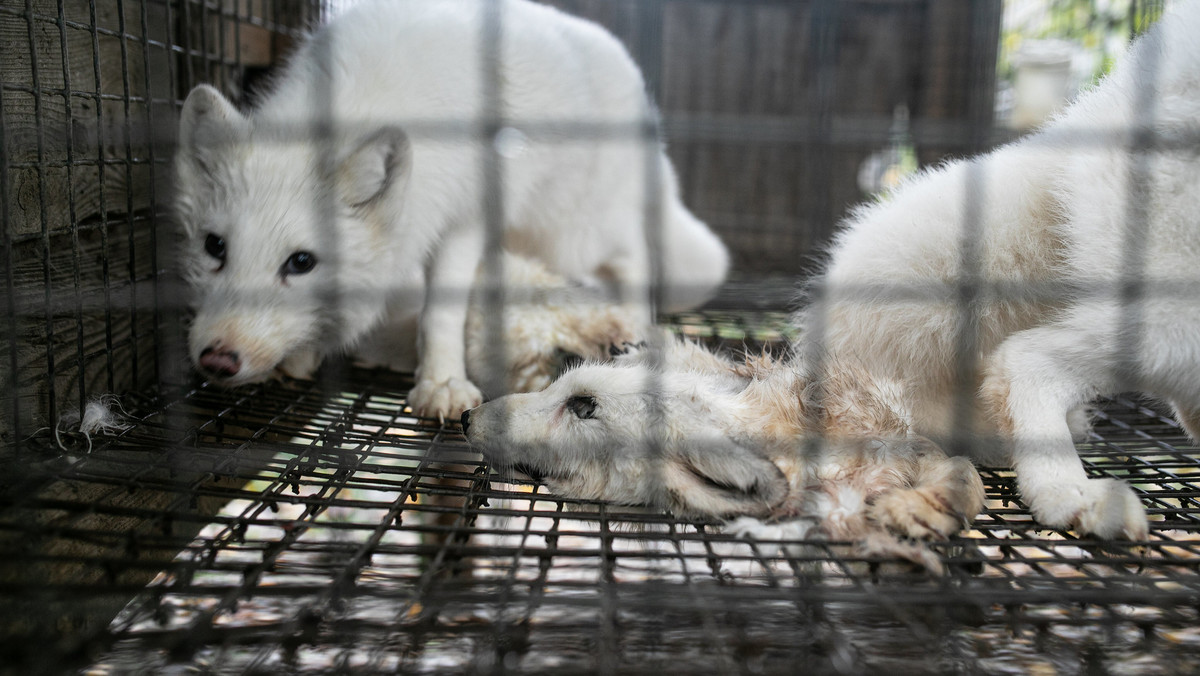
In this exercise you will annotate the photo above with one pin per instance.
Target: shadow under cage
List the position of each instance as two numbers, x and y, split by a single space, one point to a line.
305 526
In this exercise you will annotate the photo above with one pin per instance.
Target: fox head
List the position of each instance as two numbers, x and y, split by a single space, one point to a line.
680 428
662 431
285 237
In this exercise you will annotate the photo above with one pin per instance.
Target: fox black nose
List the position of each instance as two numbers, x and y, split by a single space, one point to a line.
220 362
465 419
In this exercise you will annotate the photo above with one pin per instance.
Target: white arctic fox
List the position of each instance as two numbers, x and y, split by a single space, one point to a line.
735 439
356 194
1083 244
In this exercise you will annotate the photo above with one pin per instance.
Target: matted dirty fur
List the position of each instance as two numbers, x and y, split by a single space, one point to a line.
688 431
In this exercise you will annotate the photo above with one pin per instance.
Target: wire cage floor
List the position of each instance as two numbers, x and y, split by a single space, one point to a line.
317 527
356 538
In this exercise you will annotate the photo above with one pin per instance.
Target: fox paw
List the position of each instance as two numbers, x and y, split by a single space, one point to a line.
750 528
443 400
789 538
301 365
916 513
1105 508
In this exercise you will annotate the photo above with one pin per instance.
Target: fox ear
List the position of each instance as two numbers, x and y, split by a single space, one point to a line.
381 162
722 478
207 123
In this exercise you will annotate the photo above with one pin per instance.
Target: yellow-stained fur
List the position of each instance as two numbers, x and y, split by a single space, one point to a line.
687 431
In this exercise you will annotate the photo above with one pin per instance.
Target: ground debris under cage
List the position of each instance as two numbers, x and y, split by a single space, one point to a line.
342 515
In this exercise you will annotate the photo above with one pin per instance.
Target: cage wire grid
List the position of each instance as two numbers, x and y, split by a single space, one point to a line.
317 526
335 555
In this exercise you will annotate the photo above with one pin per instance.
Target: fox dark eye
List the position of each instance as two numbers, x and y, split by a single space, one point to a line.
215 246
299 263
583 406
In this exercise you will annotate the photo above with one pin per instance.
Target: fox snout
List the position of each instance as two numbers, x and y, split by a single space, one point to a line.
219 362
237 348
475 428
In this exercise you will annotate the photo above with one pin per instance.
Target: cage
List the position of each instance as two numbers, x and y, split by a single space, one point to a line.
313 526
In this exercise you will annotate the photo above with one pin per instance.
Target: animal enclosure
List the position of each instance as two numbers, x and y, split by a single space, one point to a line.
316 526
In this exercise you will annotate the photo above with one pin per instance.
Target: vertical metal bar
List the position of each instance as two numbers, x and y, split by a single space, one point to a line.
822 51
171 340
152 158
490 280
649 36
647 133
102 172
325 129
6 225
1141 145
127 129
227 70
151 142
649 45
491 284
40 168
237 49
983 16
968 291
972 288
608 642
72 216
205 54
171 47
537 586
708 626
185 29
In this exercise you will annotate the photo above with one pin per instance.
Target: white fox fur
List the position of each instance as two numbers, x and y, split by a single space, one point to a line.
546 324
690 432
1048 233
390 200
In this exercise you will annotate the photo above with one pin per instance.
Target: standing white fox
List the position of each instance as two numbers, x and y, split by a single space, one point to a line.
355 195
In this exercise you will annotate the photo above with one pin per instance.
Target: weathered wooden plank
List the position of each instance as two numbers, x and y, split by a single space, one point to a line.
66 549
226 40
810 64
86 98
959 73
84 336
88 124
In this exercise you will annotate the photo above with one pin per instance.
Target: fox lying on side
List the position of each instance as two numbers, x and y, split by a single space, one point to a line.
690 432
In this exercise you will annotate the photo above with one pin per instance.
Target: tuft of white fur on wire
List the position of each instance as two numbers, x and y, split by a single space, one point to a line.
99 417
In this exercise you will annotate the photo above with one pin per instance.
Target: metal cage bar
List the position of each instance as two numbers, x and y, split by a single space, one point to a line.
319 526
335 555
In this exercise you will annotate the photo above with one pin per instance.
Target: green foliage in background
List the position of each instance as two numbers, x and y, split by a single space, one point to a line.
1102 27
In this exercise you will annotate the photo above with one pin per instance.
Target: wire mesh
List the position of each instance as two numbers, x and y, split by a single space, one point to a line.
88 106
307 527
332 553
